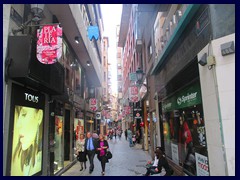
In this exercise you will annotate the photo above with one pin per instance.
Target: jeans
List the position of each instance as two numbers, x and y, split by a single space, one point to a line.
130 141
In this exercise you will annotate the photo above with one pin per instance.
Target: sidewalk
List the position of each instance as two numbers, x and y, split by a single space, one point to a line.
126 161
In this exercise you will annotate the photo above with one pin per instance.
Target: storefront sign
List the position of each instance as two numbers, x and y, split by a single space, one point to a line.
93 104
27 116
133 94
188 97
175 156
202 165
143 91
133 77
49 44
93 32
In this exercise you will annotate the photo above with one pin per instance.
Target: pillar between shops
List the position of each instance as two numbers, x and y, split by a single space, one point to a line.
145 141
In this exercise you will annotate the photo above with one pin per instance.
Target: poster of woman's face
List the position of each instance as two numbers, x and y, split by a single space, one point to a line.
27 141
26 132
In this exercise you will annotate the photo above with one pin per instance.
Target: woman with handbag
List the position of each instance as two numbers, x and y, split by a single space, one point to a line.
82 157
102 147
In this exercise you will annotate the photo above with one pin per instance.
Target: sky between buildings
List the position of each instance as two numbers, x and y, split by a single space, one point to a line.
111 18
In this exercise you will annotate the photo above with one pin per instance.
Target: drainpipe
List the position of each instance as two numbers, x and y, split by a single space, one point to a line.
220 119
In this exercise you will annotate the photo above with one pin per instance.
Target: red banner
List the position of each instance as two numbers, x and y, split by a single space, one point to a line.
93 104
49 44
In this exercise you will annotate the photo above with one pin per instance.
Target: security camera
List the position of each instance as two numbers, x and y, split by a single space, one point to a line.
203 60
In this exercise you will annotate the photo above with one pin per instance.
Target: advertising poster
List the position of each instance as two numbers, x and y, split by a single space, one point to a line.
58 158
49 44
175 156
27 115
201 165
79 127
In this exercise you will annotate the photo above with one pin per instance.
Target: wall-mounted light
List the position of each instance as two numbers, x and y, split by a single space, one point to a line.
88 63
203 60
37 10
227 48
139 74
77 40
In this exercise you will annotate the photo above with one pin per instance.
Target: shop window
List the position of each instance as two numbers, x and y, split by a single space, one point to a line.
184 131
58 150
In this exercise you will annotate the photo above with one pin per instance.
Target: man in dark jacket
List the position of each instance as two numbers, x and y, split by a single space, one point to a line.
90 149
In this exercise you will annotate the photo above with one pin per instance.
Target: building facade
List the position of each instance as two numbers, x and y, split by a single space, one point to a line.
185 51
57 93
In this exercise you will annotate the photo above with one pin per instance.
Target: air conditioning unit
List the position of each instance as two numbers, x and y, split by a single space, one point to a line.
138 45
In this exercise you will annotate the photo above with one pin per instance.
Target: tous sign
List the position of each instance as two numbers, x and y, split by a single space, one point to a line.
30 97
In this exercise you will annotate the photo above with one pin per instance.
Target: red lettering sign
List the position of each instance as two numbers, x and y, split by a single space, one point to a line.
49 44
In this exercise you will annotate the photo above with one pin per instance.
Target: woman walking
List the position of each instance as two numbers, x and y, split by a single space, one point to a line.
82 158
102 147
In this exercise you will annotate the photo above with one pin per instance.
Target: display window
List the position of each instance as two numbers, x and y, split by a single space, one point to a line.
184 131
58 148
26 139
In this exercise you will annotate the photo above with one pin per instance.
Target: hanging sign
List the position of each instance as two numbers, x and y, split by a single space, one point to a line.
49 44
93 32
93 104
133 94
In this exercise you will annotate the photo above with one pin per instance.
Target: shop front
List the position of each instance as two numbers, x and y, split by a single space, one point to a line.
184 130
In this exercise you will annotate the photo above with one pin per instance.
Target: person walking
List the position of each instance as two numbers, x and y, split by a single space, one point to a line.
90 148
102 147
115 134
80 148
126 135
129 135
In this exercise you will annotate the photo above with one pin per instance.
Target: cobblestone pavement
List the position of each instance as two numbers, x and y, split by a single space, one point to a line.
126 161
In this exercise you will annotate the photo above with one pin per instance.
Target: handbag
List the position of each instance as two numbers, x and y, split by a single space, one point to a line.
108 155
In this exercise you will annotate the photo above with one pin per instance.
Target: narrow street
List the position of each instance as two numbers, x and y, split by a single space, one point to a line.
126 161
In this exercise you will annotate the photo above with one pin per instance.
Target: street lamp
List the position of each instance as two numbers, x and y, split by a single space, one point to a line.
139 74
37 10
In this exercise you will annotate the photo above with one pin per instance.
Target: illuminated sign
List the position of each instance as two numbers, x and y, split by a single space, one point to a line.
26 147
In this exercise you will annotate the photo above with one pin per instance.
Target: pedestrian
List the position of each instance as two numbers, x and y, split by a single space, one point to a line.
95 135
126 134
80 148
159 163
138 136
134 139
129 135
90 148
102 147
115 134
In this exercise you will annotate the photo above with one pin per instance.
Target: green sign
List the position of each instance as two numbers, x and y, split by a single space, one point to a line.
190 96
132 77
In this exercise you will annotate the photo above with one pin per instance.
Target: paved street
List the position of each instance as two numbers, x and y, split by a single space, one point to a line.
126 161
